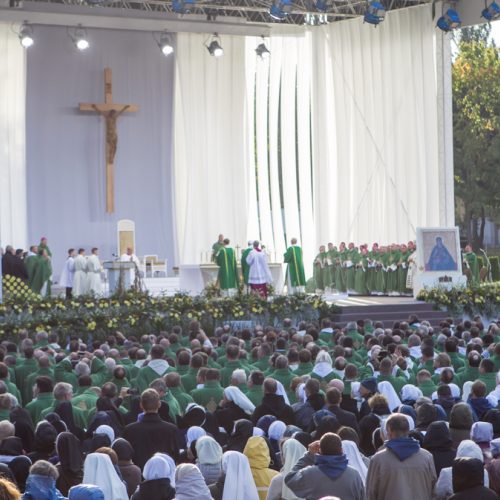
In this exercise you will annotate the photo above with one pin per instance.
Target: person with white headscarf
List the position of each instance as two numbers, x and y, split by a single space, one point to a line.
237 482
410 393
189 484
193 434
276 430
388 391
323 369
171 466
234 406
107 431
156 484
355 458
209 461
444 485
99 470
292 451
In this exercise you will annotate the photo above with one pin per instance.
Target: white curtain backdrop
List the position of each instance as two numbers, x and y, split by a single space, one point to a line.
374 112
13 222
212 180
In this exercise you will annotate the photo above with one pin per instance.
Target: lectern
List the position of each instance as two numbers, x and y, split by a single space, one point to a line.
119 275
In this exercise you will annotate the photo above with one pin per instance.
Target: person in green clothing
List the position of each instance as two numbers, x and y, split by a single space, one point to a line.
296 279
44 369
405 253
42 274
87 395
331 259
212 392
43 398
471 369
385 374
282 373
488 374
392 259
318 268
23 370
360 273
4 377
351 258
30 262
233 363
305 364
63 372
228 271
189 380
425 383
43 245
263 354
160 386
120 378
255 391
340 278
157 367
173 381
471 266
64 392
217 246
245 268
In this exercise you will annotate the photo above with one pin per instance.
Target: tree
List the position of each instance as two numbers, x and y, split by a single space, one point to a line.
476 130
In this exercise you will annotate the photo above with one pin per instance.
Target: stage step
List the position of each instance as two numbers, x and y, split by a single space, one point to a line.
388 310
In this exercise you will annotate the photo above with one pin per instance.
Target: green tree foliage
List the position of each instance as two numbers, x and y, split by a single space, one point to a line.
476 129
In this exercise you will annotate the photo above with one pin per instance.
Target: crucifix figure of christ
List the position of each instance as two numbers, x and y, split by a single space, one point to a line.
110 111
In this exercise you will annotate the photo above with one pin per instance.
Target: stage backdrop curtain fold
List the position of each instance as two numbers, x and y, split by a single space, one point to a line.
13 218
212 180
374 110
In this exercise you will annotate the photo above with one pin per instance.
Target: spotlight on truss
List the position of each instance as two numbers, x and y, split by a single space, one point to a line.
26 35
183 6
375 13
280 9
492 12
214 47
450 20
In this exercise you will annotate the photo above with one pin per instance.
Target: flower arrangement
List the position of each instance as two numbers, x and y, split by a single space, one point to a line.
476 299
136 313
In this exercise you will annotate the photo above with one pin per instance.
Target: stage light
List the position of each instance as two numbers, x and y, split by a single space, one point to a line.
214 48
183 6
492 12
450 20
79 37
262 51
375 13
26 35
322 5
165 44
280 9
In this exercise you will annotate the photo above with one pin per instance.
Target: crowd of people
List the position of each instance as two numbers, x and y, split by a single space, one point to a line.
303 411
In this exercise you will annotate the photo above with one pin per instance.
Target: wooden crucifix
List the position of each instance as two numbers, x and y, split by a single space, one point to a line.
110 111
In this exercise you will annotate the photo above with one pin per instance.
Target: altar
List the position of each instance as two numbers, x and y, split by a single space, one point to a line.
194 278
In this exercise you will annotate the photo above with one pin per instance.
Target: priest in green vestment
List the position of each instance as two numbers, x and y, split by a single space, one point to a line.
403 270
318 271
156 368
42 274
245 268
472 265
393 258
352 257
228 271
360 273
44 246
217 246
332 254
296 278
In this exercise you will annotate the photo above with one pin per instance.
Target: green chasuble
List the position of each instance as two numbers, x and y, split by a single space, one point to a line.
23 371
352 256
255 394
145 377
189 380
471 262
327 270
215 250
295 270
332 256
35 408
228 271
392 271
79 415
245 268
86 400
182 398
209 396
318 272
31 262
41 246
30 381
340 282
43 272
360 275
403 271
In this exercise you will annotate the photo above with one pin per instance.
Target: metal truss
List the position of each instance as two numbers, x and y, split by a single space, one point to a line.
252 11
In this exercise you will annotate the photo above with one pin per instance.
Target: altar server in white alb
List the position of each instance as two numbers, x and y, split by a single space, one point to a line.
129 256
80 282
68 272
259 274
94 273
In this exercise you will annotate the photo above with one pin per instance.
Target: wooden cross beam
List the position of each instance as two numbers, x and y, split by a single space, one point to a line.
110 111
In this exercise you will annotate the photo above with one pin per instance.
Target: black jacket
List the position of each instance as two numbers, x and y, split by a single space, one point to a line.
345 418
150 436
226 416
273 404
157 489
